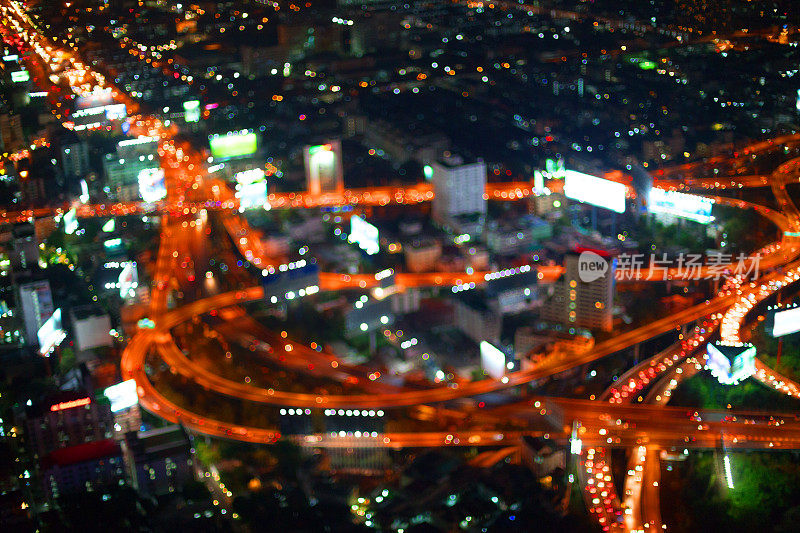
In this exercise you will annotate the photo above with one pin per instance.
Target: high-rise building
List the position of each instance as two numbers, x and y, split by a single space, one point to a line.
123 168
475 318
37 306
67 420
139 146
158 460
75 160
11 136
459 188
324 172
82 467
421 256
583 304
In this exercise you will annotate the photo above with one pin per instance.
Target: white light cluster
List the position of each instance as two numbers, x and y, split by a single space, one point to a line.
291 295
361 301
118 264
354 412
293 412
358 434
463 287
728 476
507 272
383 274
285 267
408 343
142 139
117 285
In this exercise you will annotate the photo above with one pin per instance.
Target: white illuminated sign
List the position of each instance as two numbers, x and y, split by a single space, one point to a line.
689 206
71 221
596 191
122 395
128 280
191 111
50 334
364 234
575 446
786 322
493 361
731 364
151 184
323 164
538 181
84 197
251 188
111 112
20 76
142 139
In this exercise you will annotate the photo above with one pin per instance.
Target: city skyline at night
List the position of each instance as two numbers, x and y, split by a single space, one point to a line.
383 266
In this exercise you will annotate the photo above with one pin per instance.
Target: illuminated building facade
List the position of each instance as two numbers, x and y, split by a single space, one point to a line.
459 189
731 363
67 421
577 303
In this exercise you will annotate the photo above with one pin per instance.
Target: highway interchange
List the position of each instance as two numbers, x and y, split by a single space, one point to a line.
618 418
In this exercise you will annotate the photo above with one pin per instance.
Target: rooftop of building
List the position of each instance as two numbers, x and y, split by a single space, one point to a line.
475 300
81 453
455 160
508 283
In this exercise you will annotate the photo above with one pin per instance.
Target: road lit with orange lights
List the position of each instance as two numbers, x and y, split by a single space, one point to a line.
612 420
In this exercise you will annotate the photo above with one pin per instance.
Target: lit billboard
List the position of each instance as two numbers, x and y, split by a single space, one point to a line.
151 184
128 280
113 245
51 333
251 188
122 395
97 98
20 76
493 361
731 363
596 191
233 144
37 307
324 171
116 112
71 221
84 196
679 204
191 111
92 115
538 181
364 234
554 168
786 321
